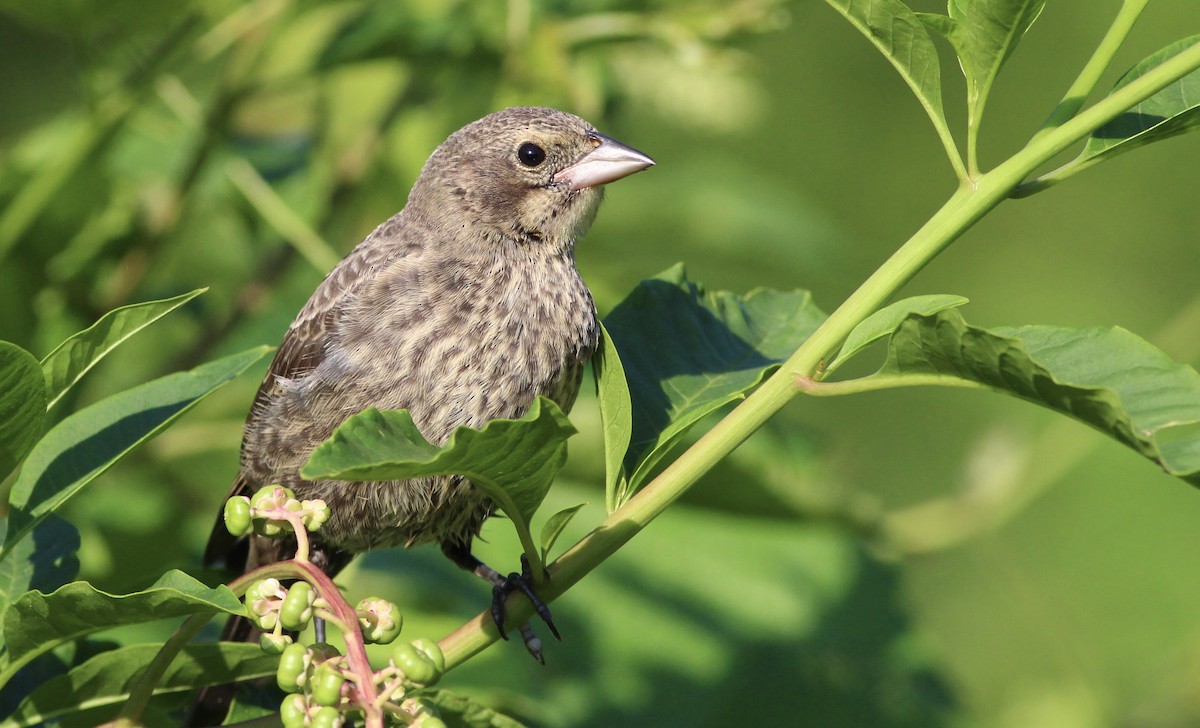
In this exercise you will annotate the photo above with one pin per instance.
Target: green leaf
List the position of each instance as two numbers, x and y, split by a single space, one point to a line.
984 33
88 442
688 352
99 686
36 623
22 405
898 34
616 414
44 562
73 358
884 321
459 710
554 527
1172 111
1107 378
512 461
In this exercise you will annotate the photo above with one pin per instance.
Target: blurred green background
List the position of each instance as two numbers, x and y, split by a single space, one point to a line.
908 558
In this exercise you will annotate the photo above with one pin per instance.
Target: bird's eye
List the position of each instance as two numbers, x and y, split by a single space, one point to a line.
530 154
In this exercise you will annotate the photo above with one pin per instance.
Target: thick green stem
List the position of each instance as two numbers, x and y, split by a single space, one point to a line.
966 206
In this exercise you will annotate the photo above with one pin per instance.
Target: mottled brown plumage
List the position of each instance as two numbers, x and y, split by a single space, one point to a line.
461 308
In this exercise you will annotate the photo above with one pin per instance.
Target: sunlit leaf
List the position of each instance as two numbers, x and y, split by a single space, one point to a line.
1174 110
1107 378
984 33
88 442
36 623
22 405
513 461
97 688
73 358
616 413
884 321
688 352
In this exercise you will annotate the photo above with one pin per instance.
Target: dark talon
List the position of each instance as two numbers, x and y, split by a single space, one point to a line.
502 586
498 594
521 582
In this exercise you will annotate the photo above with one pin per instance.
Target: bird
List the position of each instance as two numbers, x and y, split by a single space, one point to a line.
463 307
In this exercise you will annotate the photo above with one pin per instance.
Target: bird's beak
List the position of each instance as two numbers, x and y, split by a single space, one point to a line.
609 161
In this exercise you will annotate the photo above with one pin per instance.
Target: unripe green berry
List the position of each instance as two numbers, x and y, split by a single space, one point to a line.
297 607
292 665
380 620
274 644
263 600
326 685
327 718
430 722
432 651
293 711
271 496
237 515
417 667
317 514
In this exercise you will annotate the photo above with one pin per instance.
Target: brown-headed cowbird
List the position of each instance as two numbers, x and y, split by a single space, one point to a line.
461 308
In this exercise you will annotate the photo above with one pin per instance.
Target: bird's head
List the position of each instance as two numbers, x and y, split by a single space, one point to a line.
525 173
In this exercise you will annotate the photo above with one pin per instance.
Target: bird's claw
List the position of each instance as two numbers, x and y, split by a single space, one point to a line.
522 583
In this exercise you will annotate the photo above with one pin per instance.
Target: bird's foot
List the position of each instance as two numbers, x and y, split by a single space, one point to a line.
523 583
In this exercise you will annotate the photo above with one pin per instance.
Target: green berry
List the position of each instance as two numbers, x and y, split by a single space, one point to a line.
264 589
237 515
316 514
327 718
430 722
293 711
415 665
267 499
262 603
326 685
292 665
380 620
297 607
274 644
432 651
271 496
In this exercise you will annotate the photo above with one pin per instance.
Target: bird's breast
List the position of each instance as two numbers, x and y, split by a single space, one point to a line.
466 341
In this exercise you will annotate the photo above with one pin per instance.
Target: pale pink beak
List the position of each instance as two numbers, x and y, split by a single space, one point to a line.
609 161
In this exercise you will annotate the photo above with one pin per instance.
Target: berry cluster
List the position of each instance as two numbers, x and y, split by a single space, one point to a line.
325 687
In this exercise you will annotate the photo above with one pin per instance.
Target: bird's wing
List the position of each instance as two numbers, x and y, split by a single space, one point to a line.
302 349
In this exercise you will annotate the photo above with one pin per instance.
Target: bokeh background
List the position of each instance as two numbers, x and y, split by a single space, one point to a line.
913 558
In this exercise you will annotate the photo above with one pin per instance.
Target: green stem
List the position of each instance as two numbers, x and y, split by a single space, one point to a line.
876 382
1079 91
536 569
967 205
